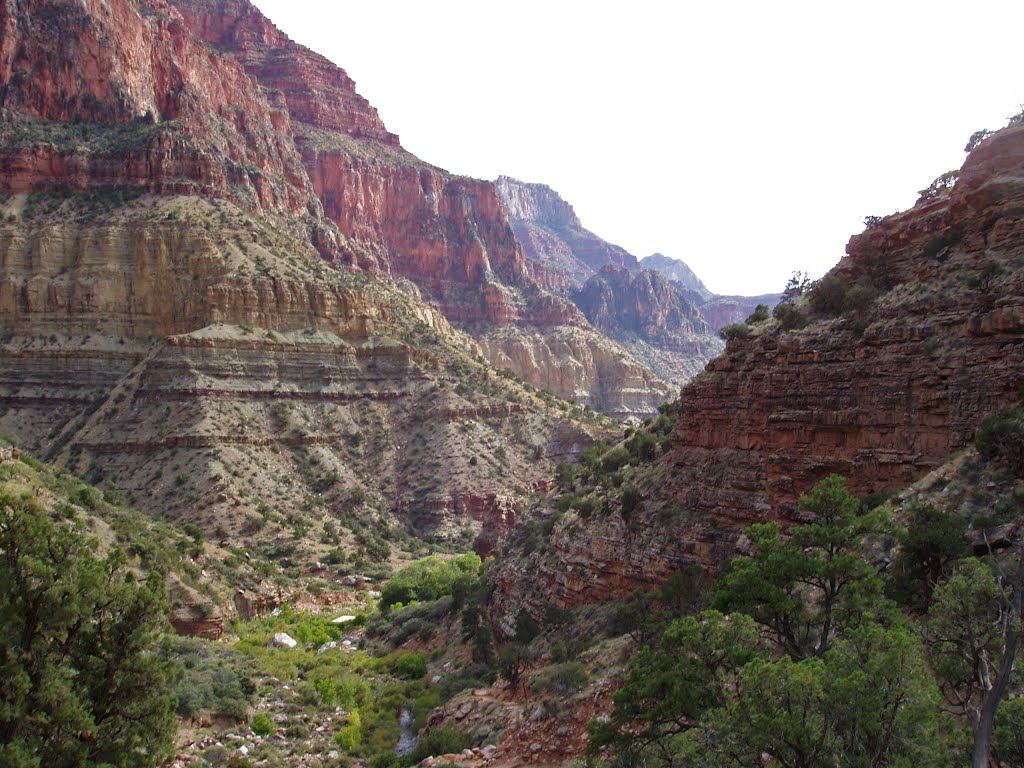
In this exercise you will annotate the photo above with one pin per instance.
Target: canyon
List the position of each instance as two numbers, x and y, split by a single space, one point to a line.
879 373
656 307
230 299
216 262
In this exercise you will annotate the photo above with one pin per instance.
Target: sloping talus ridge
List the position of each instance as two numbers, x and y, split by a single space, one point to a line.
909 342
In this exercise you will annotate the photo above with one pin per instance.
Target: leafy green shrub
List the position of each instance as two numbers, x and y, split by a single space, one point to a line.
429 579
262 725
473 676
938 187
614 460
836 295
985 279
408 665
1008 737
759 315
565 678
351 734
976 139
735 331
643 445
631 498
790 317
1001 437
443 740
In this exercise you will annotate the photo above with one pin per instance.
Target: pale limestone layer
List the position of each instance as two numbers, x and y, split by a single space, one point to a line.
577 364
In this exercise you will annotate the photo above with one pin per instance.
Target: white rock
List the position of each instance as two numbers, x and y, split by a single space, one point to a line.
343 619
283 640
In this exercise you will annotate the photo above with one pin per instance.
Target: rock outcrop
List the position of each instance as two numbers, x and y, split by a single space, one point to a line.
209 99
678 272
562 254
913 338
580 365
651 318
667 320
447 234
114 93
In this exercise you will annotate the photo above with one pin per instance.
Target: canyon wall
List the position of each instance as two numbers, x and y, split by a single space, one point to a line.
916 336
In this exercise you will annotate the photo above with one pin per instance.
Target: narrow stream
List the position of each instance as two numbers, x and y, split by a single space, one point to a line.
407 741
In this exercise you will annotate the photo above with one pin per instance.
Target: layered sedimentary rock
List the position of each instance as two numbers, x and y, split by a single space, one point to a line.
678 272
921 337
579 365
562 253
217 372
649 316
449 235
118 93
657 308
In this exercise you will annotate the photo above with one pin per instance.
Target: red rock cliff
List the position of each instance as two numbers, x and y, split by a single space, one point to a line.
881 391
448 234
132 98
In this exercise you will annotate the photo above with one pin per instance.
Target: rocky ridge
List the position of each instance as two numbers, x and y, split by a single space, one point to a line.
649 316
209 99
882 372
447 234
654 316
174 292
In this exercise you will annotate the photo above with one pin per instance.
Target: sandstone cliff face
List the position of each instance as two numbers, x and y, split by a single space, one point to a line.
880 393
678 271
649 316
718 311
317 92
579 365
447 234
210 344
132 98
563 253
210 100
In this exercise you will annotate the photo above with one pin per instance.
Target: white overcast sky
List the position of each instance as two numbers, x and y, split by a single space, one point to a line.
748 139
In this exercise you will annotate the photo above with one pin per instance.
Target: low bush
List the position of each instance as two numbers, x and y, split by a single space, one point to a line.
407 665
262 725
735 331
429 579
790 317
1001 438
565 678
443 740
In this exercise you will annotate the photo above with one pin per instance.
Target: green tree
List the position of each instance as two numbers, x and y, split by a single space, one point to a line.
667 688
974 633
513 660
868 701
803 588
85 683
933 542
842 682
760 314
